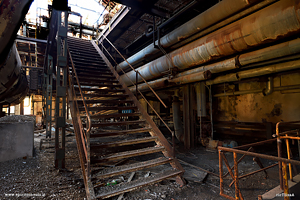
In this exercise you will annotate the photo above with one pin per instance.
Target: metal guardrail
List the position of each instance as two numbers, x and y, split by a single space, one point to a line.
282 162
138 91
84 132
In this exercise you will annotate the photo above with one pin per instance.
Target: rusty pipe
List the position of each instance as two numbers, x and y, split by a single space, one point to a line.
279 152
201 99
177 80
269 87
278 20
178 127
275 68
220 11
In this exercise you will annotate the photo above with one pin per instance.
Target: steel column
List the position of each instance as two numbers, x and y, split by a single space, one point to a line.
48 81
61 89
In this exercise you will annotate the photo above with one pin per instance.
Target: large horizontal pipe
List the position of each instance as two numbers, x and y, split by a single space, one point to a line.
273 22
211 16
275 68
270 54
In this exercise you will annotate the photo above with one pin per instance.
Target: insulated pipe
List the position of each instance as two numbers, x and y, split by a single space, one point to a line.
278 20
281 50
211 16
275 68
269 87
164 82
178 127
269 53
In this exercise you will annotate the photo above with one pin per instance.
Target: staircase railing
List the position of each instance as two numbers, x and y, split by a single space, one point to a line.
138 91
82 133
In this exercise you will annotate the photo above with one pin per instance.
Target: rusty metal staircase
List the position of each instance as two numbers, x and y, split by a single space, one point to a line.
111 126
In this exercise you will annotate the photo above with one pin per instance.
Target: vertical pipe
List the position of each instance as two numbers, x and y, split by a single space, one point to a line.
298 142
221 173
289 156
8 109
80 33
178 127
285 177
279 151
22 107
211 115
136 85
201 102
236 176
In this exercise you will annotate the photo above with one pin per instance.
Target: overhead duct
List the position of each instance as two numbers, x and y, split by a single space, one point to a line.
220 11
275 21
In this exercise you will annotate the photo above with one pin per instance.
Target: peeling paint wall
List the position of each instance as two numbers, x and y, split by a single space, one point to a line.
280 105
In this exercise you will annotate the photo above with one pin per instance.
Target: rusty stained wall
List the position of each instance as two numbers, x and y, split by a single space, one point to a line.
280 105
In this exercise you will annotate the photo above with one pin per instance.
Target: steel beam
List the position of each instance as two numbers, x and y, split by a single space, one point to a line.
61 89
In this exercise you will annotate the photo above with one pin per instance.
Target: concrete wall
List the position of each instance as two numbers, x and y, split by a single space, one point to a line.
280 105
16 140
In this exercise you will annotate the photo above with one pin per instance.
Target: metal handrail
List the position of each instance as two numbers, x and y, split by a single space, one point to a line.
81 94
136 72
172 132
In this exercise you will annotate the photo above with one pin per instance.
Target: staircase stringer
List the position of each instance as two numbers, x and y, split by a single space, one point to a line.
156 132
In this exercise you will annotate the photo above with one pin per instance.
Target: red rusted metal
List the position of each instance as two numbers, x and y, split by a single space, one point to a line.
221 172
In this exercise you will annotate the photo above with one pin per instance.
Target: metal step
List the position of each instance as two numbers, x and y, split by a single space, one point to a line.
108 108
89 71
102 124
123 142
109 172
100 84
95 76
82 72
98 80
76 52
98 95
89 64
108 101
128 154
110 191
115 115
123 132
98 90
